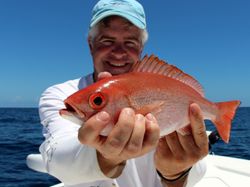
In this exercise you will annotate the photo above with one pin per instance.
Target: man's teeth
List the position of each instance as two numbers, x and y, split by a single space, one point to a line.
117 65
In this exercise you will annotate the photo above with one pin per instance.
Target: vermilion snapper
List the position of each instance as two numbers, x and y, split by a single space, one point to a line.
152 86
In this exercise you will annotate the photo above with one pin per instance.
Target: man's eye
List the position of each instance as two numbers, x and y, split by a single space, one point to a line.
130 44
107 42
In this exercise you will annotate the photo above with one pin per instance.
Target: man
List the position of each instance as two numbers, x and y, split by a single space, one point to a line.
131 154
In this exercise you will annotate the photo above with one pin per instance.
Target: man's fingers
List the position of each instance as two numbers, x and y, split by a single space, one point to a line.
152 133
89 133
119 136
163 149
198 126
174 145
103 75
135 143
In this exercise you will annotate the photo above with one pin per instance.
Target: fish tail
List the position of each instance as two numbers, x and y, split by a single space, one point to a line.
224 118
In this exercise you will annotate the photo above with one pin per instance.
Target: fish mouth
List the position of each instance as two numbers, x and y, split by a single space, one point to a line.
72 113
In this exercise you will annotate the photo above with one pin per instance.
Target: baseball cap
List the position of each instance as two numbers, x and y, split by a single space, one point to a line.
131 10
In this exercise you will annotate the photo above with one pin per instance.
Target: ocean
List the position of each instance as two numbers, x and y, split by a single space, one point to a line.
21 134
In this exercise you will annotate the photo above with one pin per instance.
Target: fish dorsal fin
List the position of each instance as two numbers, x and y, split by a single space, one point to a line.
153 64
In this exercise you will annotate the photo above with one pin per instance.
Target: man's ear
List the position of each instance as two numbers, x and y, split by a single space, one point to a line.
90 44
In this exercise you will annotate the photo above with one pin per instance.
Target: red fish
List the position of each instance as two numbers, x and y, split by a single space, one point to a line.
152 86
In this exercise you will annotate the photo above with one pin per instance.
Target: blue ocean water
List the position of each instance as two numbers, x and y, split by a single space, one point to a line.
21 135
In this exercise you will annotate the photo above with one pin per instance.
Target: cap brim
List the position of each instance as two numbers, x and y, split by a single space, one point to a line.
132 19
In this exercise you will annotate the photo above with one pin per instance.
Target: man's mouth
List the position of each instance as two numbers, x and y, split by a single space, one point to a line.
120 64
116 67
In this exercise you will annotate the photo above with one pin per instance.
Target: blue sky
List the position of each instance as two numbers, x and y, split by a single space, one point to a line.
43 42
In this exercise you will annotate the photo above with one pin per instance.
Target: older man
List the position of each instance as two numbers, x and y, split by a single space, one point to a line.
132 154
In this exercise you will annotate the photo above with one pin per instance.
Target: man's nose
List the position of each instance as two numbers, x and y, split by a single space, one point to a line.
118 51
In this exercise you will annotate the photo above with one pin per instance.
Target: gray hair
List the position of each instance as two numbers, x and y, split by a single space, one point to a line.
94 30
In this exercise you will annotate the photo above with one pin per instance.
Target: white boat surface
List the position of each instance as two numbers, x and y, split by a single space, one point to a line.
222 171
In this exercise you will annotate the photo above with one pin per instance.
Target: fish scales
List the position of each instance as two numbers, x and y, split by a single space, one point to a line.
152 86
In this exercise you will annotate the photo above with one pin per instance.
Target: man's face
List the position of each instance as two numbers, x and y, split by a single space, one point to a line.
116 46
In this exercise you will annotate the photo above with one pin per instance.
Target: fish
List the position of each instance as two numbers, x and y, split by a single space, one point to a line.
151 86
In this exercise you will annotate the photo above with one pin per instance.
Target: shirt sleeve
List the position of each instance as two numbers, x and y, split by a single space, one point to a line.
196 173
64 156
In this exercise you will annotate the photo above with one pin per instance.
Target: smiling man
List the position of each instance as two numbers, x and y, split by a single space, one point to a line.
132 154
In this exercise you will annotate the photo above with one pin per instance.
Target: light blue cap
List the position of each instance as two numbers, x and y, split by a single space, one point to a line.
131 10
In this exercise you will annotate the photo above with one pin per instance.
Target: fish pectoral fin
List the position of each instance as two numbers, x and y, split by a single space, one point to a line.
154 108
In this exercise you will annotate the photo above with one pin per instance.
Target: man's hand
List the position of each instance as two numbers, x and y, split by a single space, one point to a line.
133 135
176 153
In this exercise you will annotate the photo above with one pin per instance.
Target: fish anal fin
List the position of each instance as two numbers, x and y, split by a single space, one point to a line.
152 64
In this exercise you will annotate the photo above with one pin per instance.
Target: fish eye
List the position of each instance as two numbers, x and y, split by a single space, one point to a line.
97 101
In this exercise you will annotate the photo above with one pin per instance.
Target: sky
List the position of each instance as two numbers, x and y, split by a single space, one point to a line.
44 42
